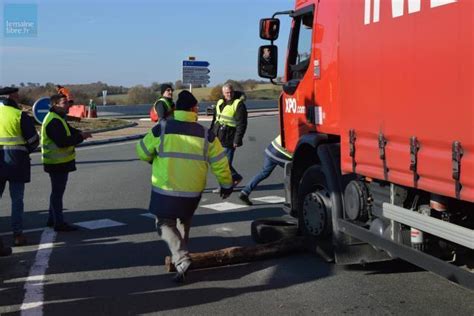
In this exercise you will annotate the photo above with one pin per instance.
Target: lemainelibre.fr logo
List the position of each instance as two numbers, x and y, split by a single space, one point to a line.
21 20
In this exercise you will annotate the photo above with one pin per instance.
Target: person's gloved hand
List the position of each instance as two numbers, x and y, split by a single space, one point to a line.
225 193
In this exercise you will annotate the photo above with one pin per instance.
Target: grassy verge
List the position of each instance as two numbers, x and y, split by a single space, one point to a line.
96 124
263 94
265 91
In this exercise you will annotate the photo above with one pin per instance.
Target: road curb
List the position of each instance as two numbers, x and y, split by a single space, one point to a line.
111 140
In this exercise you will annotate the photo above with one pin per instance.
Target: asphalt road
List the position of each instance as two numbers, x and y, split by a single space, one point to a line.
119 270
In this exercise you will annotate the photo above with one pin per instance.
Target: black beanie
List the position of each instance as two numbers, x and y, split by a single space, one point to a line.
185 101
165 86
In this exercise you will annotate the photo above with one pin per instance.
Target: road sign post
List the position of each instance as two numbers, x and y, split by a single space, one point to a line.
41 109
104 96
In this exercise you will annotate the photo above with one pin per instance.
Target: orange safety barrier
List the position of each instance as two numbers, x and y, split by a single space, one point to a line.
78 111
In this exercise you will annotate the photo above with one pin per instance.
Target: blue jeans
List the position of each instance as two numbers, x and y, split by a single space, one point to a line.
58 186
268 165
17 192
229 151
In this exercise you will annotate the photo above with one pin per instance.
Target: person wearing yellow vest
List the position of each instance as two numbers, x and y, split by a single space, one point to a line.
164 106
275 155
181 151
229 123
58 141
18 138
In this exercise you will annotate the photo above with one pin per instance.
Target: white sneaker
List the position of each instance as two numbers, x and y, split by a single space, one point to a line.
181 269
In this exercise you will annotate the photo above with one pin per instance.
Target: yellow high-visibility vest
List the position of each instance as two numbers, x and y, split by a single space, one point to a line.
227 116
181 157
51 153
11 136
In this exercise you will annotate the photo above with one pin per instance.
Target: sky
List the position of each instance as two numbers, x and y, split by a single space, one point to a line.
126 42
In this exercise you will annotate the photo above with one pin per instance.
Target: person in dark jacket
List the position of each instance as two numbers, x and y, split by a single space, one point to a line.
229 123
58 141
164 106
18 138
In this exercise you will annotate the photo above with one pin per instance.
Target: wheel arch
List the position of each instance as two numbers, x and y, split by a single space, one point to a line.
324 150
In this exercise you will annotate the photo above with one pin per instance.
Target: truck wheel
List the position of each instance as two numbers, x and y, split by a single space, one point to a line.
314 203
271 229
314 212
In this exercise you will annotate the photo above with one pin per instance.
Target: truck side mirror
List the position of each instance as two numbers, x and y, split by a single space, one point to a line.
269 29
268 61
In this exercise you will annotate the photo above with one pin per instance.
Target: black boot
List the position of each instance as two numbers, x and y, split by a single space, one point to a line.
4 251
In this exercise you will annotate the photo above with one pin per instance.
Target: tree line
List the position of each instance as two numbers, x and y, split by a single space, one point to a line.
139 94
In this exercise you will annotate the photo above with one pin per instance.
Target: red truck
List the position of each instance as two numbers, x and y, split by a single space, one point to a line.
377 108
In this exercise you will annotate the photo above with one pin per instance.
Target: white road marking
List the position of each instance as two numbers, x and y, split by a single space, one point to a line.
224 206
33 301
224 230
200 119
270 199
205 119
100 223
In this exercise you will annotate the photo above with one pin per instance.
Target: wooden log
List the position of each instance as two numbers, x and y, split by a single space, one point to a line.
234 255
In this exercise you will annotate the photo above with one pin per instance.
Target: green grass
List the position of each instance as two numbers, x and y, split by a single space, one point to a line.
265 91
115 99
94 124
263 94
199 93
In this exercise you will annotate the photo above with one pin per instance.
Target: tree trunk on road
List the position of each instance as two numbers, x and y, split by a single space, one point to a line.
234 255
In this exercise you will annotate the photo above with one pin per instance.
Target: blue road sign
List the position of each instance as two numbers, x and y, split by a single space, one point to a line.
198 82
41 109
196 70
195 63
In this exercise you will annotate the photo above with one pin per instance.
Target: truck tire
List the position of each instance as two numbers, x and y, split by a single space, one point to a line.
314 212
271 229
314 204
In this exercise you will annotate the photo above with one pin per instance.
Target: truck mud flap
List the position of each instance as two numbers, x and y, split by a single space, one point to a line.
358 253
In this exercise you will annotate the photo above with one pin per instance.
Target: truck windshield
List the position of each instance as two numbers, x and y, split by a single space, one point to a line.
300 46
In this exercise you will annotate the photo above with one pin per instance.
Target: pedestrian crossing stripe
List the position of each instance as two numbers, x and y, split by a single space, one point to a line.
270 199
224 206
100 223
224 230
220 207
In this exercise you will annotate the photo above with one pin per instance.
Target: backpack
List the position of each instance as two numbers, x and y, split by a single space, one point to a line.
153 114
